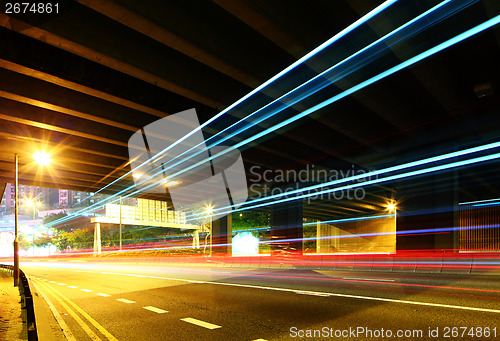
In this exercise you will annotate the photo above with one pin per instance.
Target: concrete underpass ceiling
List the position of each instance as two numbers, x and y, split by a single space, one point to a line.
81 83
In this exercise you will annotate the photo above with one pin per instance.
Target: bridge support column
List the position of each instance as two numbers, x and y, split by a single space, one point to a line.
97 239
222 235
196 239
286 225
431 209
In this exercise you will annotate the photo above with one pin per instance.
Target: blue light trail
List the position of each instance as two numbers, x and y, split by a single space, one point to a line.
364 19
465 35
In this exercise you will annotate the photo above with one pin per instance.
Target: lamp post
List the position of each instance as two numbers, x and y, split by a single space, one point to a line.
34 204
42 159
209 211
120 223
392 207
16 240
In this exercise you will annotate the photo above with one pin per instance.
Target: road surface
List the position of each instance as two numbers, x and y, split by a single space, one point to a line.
128 301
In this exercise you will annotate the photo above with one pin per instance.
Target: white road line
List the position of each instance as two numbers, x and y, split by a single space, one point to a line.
124 300
156 310
369 279
103 295
325 294
72 287
200 323
61 283
371 298
52 282
86 290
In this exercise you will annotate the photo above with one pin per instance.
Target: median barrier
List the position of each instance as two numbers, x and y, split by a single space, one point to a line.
486 264
454 264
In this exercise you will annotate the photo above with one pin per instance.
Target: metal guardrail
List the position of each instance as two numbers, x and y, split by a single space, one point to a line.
28 311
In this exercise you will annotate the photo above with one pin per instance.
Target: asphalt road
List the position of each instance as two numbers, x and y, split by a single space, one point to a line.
154 302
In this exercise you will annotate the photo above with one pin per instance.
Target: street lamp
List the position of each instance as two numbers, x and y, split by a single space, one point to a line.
33 203
43 159
209 210
391 207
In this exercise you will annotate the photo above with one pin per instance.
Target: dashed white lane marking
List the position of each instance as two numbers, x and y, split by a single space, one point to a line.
371 298
369 279
86 290
72 287
61 283
200 323
325 294
103 295
156 310
124 300
52 282
428 304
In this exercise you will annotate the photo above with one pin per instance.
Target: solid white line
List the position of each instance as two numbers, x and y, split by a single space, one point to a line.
72 287
323 293
369 279
300 292
200 323
103 295
86 290
156 310
124 300
365 298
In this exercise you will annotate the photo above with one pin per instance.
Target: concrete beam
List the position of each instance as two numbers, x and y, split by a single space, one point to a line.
141 24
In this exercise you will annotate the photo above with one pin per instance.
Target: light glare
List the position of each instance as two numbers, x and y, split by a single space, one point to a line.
42 158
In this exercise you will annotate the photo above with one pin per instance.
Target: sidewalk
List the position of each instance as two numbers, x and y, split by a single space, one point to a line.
12 327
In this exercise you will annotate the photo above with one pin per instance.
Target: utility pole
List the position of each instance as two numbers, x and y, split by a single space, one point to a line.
16 240
120 223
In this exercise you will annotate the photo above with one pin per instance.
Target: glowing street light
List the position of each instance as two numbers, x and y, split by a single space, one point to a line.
42 158
391 207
